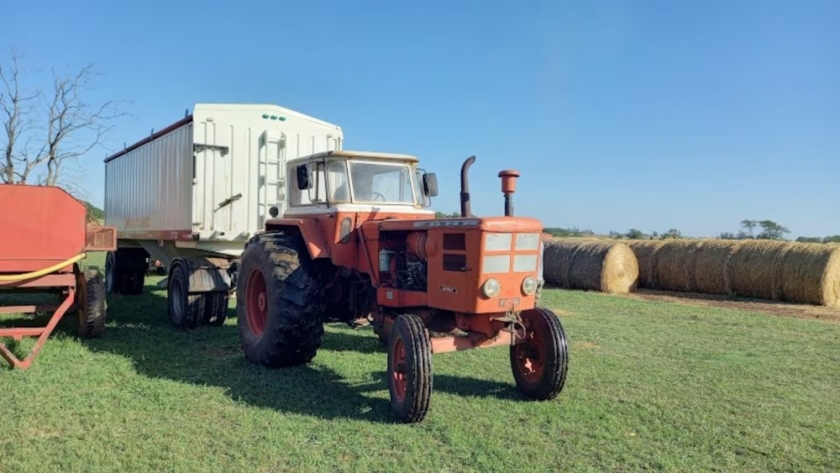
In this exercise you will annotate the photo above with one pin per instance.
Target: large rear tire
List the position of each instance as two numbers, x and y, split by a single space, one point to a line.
279 302
541 361
409 369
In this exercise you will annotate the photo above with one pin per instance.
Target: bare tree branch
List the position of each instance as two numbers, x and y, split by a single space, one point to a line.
14 107
71 127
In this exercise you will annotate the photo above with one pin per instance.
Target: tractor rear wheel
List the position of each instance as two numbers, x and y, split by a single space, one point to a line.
279 304
540 362
409 368
90 304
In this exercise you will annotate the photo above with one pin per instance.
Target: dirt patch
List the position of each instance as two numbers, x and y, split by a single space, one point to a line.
748 305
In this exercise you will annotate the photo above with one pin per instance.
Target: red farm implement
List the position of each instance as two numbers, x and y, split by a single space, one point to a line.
44 234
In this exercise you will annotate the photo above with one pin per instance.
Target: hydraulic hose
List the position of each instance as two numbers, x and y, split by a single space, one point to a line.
42 272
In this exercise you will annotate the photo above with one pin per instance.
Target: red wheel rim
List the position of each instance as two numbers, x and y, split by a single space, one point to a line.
530 357
398 369
256 307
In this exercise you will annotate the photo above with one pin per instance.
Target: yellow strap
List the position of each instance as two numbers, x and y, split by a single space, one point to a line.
36 274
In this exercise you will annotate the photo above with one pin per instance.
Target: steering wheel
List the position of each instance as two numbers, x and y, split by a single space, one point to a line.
380 195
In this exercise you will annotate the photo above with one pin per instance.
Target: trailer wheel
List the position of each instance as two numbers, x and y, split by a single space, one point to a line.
540 362
215 308
409 369
186 310
91 306
279 304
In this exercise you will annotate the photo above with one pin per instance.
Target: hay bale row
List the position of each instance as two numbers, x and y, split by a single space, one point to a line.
604 266
806 273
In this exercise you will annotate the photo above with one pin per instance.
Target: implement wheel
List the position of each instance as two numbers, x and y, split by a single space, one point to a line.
186 310
90 304
540 362
215 308
409 368
279 304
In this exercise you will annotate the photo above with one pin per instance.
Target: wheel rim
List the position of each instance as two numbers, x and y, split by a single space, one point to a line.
530 357
256 307
398 369
177 298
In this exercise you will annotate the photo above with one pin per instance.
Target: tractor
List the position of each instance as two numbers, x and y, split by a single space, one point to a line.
358 244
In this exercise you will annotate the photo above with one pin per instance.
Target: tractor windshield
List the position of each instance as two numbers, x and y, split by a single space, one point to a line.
394 183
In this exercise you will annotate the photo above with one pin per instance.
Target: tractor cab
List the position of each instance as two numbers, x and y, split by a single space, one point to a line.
369 183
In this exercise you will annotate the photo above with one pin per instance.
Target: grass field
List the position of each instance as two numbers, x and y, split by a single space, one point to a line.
652 386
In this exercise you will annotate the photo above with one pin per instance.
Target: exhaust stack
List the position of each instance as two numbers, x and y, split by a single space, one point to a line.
465 187
508 188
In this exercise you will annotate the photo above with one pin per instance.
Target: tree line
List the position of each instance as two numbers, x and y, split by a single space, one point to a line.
749 229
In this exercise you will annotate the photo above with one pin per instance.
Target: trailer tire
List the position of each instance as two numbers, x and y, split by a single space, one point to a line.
279 304
409 369
215 308
540 363
186 311
91 305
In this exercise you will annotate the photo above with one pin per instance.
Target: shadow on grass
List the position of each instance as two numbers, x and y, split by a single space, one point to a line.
139 330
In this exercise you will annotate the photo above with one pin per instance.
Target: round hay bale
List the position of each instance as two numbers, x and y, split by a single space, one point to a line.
755 269
811 274
645 251
711 266
673 265
604 266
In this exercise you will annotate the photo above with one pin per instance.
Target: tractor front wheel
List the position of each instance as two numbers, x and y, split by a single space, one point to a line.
541 360
279 304
409 368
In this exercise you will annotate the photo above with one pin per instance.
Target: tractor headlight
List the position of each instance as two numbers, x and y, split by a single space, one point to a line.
491 288
529 286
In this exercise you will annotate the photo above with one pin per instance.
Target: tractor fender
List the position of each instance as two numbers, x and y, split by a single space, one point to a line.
308 229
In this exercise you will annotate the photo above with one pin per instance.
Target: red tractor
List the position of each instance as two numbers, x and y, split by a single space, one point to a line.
357 244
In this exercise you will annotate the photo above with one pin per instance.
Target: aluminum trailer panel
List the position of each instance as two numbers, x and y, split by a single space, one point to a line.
211 177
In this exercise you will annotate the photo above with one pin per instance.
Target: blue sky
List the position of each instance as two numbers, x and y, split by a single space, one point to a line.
619 114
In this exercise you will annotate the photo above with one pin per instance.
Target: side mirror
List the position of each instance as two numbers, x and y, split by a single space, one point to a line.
302 177
430 187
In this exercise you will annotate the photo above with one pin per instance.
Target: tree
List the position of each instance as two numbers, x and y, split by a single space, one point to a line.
832 239
635 234
672 233
772 230
749 225
45 134
447 215
804 239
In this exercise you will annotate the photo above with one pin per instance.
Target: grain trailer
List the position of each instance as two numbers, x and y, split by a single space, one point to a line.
192 194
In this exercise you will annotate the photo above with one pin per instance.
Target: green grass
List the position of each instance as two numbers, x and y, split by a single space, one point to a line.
652 386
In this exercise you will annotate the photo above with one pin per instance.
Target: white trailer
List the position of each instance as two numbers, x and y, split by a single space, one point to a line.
193 193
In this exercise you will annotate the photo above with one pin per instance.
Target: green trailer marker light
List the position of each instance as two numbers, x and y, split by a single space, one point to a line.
282 119
274 117
265 115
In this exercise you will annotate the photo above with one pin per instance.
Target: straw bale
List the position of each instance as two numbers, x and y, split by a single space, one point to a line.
755 270
811 274
604 266
673 265
645 251
711 266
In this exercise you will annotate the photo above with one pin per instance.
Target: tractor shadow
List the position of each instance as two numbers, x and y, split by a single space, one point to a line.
139 330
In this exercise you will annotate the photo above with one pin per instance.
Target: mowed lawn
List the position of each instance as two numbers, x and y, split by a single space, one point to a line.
652 386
